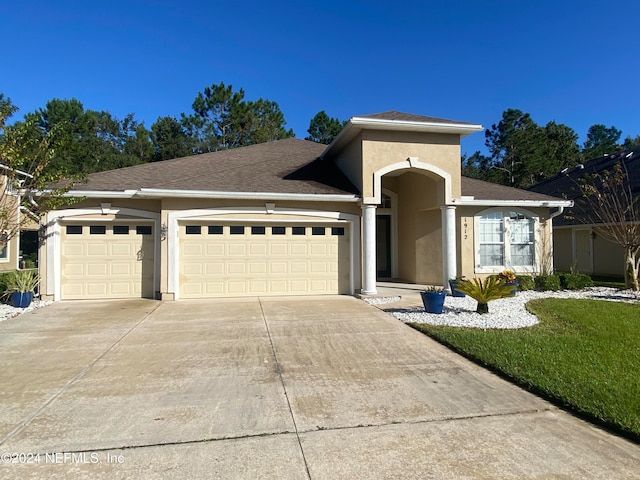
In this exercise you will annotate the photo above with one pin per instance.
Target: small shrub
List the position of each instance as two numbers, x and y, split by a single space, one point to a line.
547 282
484 292
525 282
507 276
575 281
23 281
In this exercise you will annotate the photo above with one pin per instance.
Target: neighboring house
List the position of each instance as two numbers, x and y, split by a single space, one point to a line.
291 217
12 219
578 243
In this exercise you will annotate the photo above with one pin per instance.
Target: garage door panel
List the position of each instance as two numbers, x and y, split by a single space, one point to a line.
193 250
214 250
237 249
73 249
212 268
123 250
298 249
96 270
263 261
97 250
276 268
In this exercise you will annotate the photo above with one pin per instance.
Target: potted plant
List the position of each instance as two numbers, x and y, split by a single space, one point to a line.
508 277
433 299
453 283
21 285
484 291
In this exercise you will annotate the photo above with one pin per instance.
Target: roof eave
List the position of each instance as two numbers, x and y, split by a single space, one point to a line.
513 203
166 193
357 124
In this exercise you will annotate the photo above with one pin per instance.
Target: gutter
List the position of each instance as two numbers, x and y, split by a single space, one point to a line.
164 193
561 204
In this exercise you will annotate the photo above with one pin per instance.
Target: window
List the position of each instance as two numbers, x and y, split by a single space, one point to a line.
337 230
193 229
143 229
74 229
317 230
97 229
298 230
505 239
121 229
214 230
4 250
278 230
258 230
236 230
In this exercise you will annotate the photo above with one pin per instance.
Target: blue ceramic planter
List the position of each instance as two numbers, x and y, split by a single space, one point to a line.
454 292
21 299
433 301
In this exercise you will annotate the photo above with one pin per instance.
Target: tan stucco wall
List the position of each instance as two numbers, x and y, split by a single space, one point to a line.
349 160
608 257
466 239
562 249
381 148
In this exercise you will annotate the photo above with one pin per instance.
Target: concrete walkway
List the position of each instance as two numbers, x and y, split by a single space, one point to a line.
282 388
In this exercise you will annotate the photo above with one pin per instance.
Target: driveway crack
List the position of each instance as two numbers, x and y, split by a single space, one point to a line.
284 387
71 382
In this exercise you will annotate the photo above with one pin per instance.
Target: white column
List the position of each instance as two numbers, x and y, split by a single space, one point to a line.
369 250
448 244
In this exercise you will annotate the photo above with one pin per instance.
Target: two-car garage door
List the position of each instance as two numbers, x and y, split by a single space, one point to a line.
238 259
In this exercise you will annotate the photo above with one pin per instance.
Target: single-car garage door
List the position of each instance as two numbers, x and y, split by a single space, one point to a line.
107 261
243 259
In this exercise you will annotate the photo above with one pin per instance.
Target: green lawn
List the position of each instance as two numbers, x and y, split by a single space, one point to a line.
584 354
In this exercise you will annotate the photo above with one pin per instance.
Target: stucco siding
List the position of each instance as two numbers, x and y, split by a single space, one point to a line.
381 149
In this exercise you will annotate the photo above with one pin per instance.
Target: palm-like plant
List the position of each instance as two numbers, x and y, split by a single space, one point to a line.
484 291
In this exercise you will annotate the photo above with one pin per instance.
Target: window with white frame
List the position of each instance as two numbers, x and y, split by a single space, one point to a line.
505 239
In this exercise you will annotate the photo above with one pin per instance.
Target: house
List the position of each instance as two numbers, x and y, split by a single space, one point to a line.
16 221
579 243
386 200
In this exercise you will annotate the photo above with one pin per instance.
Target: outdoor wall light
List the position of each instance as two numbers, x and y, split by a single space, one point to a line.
164 230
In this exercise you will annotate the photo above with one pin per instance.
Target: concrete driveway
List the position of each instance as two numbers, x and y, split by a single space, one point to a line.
284 388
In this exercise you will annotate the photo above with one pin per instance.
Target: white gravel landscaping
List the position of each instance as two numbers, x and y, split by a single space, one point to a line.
9 311
506 312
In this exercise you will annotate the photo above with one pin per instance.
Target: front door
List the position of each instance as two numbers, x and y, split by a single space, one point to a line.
383 246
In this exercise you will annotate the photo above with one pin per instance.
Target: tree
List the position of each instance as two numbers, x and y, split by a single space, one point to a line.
323 129
25 159
601 140
630 143
222 119
171 139
89 141
514 143
527 153
610 201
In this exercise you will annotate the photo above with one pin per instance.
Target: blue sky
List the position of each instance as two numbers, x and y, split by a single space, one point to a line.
574 62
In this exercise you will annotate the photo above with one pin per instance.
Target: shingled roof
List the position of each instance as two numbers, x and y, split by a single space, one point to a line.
566 183
394 115
289 166
481 190
282 166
